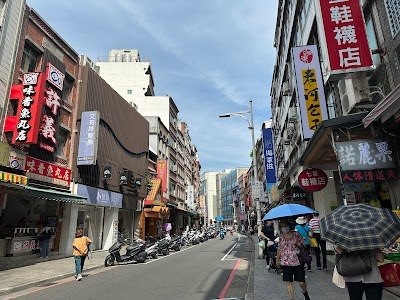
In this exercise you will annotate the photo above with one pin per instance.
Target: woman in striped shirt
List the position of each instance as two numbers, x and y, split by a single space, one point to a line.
315 229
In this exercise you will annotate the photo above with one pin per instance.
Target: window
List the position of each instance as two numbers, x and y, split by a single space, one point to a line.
67 89
393 12
129 92
62 136
373 45
30 59
331 105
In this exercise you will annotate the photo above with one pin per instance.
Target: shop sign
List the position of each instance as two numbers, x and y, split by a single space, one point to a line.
190 196
29 109
47 172
269 157
54 76
377 175
162 173
365 155
312 180
88 138
99 196
299 194
16 161
345 35
310 88
28 244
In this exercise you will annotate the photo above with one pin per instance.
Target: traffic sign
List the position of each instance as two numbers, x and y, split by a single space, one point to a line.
257 190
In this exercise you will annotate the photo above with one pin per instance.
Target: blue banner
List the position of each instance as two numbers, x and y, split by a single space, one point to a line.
88 138
99 196
269 157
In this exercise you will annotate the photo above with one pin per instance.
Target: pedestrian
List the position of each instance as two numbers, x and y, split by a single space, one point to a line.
370 283
44 234
81 248
314 225
305 232
288 249
267 234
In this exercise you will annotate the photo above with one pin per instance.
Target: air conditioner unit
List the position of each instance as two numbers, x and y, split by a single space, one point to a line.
175 168
351 93
292 115
286 88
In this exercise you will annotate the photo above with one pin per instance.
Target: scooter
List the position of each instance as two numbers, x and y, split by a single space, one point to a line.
134 252
151 247
175 243
163 246
222 234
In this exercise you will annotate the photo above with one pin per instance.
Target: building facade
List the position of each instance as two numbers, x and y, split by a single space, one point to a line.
208 188
348 88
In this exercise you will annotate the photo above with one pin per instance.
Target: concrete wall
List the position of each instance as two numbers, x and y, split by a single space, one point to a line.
68 228
110 214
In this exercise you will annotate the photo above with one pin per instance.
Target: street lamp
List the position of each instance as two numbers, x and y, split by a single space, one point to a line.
251 127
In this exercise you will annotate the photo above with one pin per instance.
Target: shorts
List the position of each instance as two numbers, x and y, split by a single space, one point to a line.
297 273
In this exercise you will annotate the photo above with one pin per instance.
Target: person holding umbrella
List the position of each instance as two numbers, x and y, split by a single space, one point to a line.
289 246
364 230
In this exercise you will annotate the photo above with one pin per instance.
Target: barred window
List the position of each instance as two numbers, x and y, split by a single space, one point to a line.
393 12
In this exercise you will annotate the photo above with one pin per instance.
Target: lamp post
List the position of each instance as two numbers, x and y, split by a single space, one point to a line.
251 127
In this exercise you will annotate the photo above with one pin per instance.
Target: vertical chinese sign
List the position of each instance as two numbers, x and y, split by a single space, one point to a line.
345 35
162 173
52 102
88 138
310 89
269 157
29 108
366 160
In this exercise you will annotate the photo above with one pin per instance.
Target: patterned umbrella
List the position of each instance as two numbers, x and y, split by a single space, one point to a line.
360 227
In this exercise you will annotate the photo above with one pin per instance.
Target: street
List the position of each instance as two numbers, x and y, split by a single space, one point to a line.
198 272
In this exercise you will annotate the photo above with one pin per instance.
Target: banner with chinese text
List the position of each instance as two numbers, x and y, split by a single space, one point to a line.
88 138
310 89
269 157
47 172
345 35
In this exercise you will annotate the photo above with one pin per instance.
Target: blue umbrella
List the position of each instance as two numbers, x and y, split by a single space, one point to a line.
288 210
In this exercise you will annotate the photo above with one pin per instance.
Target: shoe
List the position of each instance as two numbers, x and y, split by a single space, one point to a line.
325 269
319 268
79 277
268 267
309 269
306 296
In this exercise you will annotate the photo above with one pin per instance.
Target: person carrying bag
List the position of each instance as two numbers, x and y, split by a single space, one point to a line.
81 249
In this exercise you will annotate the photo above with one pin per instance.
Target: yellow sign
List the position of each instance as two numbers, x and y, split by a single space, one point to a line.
312 98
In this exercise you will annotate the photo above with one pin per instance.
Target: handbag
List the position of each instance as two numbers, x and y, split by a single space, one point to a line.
353 263
313 242
390 274
304 256
261 244
338 279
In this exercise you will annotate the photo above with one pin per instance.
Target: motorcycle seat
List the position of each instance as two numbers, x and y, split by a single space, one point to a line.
133 247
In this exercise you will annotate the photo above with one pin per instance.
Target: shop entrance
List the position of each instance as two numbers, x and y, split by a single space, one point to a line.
90 219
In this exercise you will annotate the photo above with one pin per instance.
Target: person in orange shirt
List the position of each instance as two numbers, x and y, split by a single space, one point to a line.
81 248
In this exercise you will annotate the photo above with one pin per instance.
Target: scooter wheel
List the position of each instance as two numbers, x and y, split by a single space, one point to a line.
109 261
155 255
141 260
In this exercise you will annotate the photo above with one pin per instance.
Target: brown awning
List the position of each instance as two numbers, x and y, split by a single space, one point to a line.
384 109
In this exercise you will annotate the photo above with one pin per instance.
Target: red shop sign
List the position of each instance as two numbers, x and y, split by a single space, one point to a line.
312 180
47 172
345 33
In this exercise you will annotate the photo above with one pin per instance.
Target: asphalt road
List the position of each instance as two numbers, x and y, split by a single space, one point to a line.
199 272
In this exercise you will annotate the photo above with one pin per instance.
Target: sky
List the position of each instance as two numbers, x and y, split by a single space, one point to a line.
210 56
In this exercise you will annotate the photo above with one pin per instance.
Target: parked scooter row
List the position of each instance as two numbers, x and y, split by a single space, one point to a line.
139 250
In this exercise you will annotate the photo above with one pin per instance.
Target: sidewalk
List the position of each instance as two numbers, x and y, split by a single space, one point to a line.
45 272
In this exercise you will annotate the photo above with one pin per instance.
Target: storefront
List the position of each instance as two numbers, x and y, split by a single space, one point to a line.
101 217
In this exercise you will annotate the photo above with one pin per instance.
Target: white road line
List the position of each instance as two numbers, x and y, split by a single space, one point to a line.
161 257
229 252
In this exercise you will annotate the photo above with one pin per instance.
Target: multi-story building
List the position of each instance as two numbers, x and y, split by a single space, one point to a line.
230 197
38 129
11 16
351 76
208 188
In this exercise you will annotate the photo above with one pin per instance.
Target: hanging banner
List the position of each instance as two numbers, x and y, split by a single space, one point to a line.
29 109
162 173
190 196
88 138
269 158
345 35
310 89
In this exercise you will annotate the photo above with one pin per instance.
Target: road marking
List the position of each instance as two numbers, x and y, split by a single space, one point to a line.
170 254
228 283
229 252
